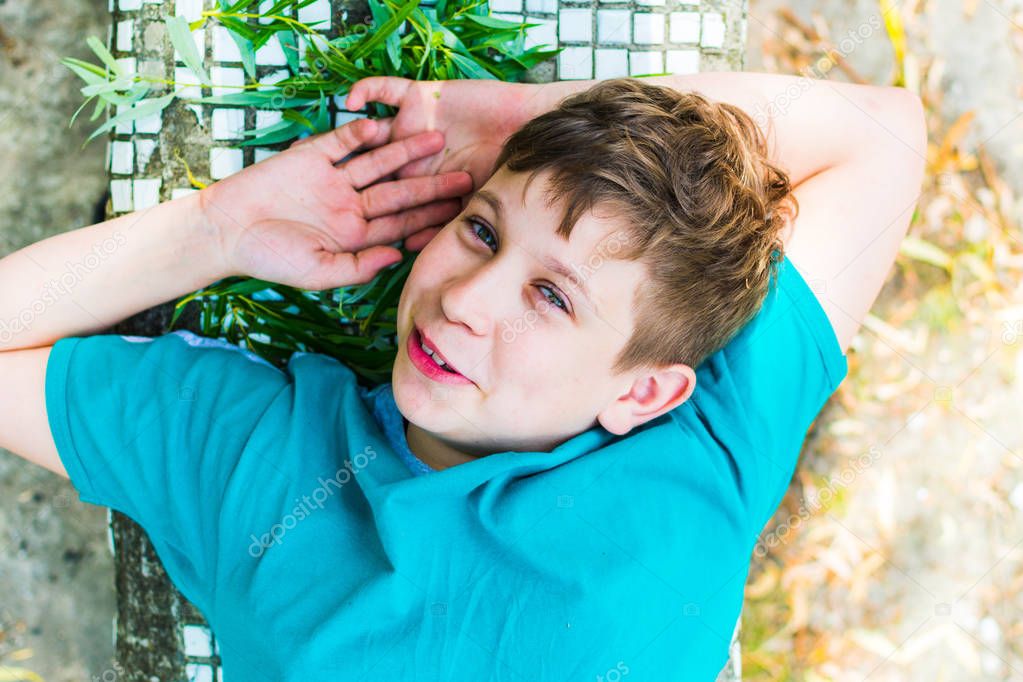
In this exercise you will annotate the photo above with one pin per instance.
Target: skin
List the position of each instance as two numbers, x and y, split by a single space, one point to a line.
531 362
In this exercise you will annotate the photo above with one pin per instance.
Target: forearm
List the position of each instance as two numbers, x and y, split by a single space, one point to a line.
810 125
84 281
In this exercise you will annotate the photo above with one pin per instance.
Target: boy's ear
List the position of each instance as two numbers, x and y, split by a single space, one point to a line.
651 394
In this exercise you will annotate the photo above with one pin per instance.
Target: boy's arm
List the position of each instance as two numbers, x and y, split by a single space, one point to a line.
855 155
80 282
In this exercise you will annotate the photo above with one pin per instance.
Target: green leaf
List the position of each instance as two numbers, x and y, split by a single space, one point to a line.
147 108
90 73
264 99
382 31
101 106
322 122
492 22
292 115
289 131
181 38
470 67
245 44
101 51
289 45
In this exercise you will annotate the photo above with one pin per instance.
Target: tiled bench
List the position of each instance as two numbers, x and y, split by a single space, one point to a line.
159 634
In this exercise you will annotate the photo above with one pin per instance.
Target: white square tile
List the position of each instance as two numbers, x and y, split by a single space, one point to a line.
645 61
179 192
197 641
195 672
122 158
266 118
713 30
274 77
542 6
507 17
128 64
191 10
224 76
120 196
613 25
228 124
340 100
271 54
199 38
343 117
505 5
684 61
143 153
186 84
651 3
611 63
149 125
125 34
224 47
575 62
685 27
264 7
575 25
145 192
648 28
225 162
129 5
317 11
261 154
124 127
545 33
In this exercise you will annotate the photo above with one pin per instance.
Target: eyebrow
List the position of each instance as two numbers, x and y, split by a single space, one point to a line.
550 262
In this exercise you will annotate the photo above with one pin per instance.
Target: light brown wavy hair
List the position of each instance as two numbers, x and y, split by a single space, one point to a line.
703 206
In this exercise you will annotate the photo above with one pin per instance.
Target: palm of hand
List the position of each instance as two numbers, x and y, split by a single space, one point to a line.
475 116
305 219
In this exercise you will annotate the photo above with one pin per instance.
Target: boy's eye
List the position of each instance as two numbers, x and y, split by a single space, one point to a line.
474 224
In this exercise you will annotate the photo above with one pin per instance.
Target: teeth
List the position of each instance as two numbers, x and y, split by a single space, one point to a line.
432 355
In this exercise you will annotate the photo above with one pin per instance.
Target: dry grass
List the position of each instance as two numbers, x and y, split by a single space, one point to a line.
912 570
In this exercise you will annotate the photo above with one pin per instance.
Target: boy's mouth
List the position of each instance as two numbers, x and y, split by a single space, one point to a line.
430 362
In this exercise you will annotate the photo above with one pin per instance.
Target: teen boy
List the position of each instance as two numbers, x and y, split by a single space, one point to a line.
559 502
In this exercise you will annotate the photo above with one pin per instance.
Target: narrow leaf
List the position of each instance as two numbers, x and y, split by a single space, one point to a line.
181 38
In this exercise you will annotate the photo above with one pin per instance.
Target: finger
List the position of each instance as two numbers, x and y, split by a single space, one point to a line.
334 270
397 226
419 240
382 135
415 168
384 89
338 143
391 197
371 166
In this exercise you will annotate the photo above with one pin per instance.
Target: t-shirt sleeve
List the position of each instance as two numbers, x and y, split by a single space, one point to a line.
761 393
154 427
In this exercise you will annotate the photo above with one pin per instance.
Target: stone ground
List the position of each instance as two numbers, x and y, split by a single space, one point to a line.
56 571
915 575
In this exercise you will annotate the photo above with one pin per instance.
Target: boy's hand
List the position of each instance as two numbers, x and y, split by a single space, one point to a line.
475 116
301 219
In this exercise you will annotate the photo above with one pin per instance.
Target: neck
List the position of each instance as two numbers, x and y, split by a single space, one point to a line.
434 452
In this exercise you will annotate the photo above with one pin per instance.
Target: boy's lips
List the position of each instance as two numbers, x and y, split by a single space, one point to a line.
427 365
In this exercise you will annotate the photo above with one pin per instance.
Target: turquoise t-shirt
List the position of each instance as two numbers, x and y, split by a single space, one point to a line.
281 508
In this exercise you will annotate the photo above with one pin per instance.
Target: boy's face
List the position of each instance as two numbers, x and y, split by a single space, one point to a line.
534 351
